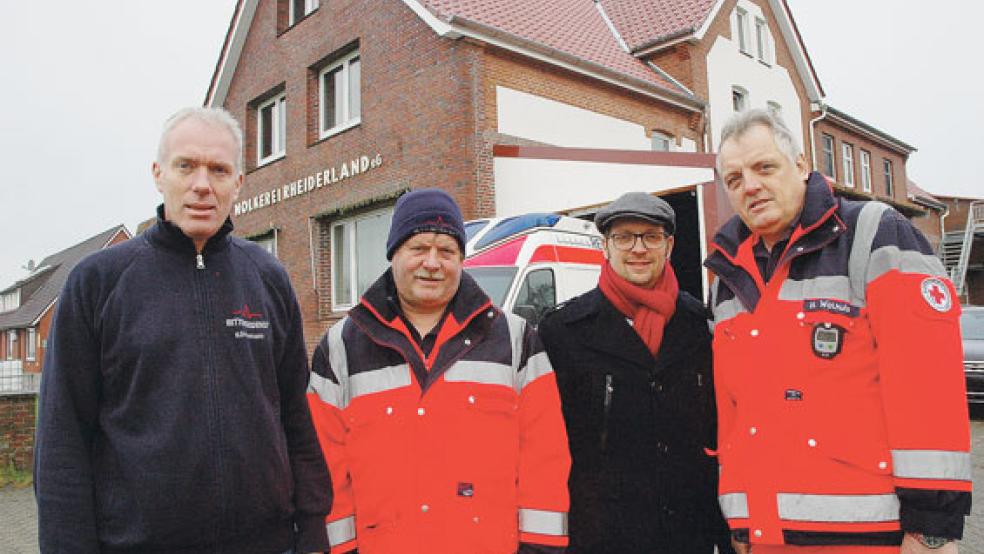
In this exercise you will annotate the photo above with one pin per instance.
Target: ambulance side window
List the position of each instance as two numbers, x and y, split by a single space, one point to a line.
537 295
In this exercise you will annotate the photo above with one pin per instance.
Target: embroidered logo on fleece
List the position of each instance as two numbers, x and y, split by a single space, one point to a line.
936 294
247 323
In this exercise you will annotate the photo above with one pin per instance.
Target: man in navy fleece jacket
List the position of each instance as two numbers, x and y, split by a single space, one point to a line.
173 414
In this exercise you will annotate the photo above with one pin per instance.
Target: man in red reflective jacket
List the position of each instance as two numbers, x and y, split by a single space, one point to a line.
438 413
843 420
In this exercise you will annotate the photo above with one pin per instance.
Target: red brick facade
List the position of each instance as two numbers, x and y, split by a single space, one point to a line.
878 154
428 111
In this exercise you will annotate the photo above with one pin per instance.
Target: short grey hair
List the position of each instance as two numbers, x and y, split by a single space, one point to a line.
742 121
213 116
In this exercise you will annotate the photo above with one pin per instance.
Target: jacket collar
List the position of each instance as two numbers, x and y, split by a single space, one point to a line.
169 236
378 315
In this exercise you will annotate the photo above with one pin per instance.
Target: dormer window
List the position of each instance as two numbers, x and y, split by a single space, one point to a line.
762 41
10 300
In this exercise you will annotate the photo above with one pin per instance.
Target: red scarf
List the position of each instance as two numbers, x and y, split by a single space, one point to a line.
649 309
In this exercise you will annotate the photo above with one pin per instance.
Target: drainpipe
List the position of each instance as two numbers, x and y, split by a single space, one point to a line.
946 212
813 138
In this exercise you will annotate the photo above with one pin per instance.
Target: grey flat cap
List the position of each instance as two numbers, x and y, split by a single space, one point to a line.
637 205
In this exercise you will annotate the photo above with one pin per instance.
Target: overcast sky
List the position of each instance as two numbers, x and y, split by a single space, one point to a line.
88 84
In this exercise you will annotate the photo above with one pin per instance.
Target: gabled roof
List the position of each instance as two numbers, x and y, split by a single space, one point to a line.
572 34
873 133
48 280
920 196
646 22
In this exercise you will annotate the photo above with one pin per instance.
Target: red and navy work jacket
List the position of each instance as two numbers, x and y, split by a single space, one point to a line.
839 383
462 450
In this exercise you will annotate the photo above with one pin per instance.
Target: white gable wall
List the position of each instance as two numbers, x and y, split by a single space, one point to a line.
728 67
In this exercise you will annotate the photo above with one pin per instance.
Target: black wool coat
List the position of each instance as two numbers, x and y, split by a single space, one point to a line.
641 481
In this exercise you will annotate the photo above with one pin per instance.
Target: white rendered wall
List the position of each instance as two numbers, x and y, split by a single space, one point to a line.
727 67
536 118
532 185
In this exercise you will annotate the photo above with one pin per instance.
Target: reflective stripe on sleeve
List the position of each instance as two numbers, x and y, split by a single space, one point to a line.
734 505
537 366
379 380
840 508
341 531
327 390
543 522
932 464
486 373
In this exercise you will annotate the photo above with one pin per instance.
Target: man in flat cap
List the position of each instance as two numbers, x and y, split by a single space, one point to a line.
438 413
633 363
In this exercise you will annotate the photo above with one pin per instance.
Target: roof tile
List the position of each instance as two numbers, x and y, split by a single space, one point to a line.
642 22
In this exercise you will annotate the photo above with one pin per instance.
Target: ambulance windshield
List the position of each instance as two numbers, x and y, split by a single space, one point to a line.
495 281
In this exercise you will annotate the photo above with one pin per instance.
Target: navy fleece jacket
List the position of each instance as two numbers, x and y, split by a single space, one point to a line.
172 414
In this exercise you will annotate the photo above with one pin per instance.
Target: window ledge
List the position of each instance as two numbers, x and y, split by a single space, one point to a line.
267 162
337 130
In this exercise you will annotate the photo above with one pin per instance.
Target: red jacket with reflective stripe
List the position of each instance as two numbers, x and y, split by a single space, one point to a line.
461 451
840 391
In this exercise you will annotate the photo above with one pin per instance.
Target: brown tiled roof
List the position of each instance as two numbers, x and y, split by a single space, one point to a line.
645 22
573 27
40 289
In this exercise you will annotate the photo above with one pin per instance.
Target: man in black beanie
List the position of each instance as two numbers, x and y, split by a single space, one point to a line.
439 410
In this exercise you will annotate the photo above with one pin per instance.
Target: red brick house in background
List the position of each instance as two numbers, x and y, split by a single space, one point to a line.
512 106
27 307
26 311
931 221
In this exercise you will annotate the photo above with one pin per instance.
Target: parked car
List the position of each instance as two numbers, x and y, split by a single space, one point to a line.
972 331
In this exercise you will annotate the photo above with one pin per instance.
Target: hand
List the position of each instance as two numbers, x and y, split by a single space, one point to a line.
911 545
741 547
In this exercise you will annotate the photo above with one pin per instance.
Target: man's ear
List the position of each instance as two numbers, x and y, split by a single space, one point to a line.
156 171
802 167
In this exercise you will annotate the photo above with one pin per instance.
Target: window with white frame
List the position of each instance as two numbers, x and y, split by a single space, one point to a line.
267 240
358 255
828 167
865 171
741 27
11 344
340 94
774 108
271 129
662 142
889 178
31 344
847 154
10 300
739 99
763 50
299 9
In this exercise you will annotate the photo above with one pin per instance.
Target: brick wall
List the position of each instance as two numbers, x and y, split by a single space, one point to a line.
878 153
17 426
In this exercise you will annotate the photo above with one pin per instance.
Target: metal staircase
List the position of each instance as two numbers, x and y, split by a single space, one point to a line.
956 246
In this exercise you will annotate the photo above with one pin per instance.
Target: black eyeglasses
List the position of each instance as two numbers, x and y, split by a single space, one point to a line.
626 241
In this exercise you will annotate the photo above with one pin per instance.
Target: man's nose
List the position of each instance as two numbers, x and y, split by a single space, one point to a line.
751 182
638 246
431 261
199 181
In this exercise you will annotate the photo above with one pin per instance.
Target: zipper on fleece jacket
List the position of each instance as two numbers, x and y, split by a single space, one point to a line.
203 299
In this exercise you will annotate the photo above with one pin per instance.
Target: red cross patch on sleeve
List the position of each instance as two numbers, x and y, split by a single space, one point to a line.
936 294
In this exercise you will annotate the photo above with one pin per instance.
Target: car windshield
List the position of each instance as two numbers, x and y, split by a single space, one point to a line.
972 324
473 227
495 281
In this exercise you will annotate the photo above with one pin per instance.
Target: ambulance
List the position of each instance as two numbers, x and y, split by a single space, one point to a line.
530 263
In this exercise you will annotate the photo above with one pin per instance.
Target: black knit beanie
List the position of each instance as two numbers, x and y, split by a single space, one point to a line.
425 211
